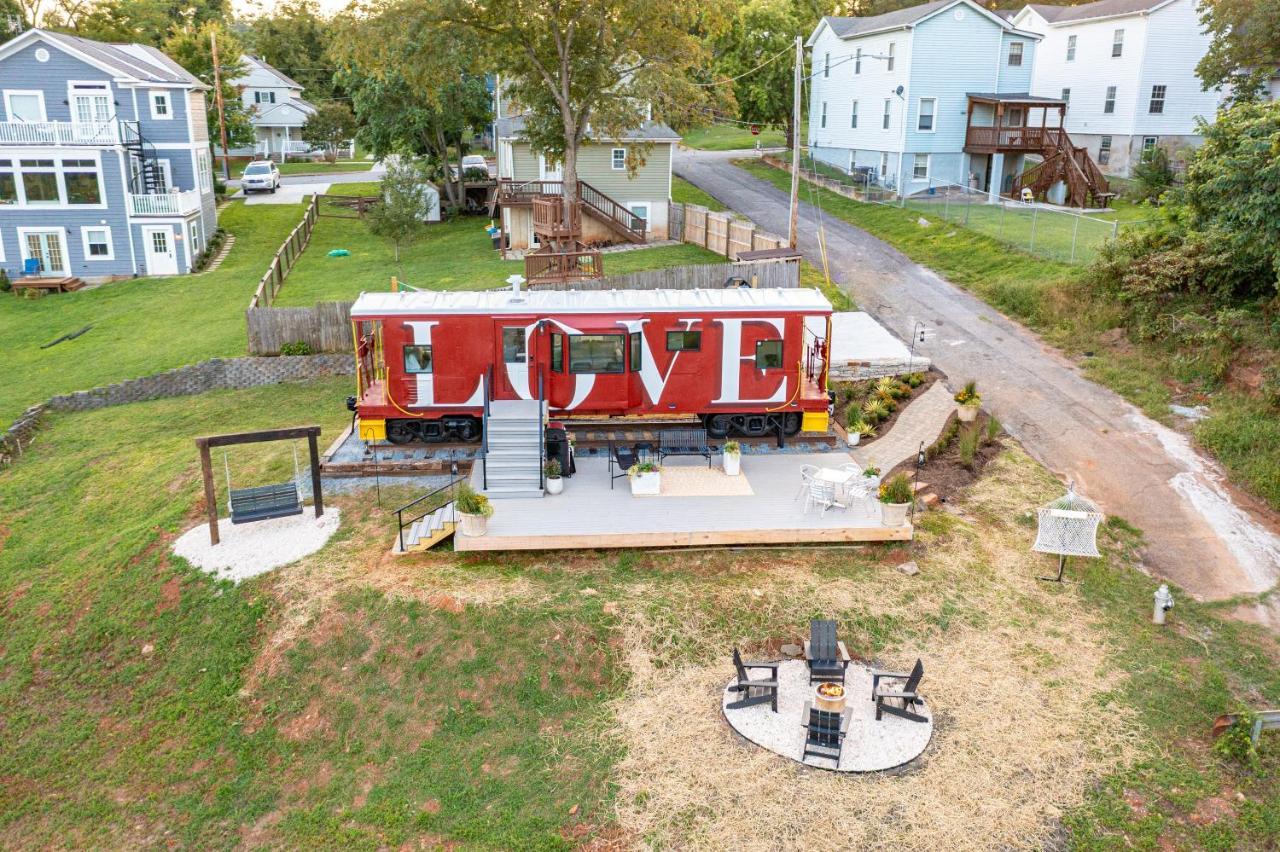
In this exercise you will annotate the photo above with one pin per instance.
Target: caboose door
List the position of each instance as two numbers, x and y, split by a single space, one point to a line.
515 358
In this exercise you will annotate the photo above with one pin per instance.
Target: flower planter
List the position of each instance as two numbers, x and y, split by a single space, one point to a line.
732 464
852 438
555 484
967 413
472 525
894 514
646 484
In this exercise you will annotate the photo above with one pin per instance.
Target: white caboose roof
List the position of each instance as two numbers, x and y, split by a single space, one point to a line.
588 301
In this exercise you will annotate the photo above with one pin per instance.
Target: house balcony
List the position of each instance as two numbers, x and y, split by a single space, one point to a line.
1011 140
165 203
58 133
549 221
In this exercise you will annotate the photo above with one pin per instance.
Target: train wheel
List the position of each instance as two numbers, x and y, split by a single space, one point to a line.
790 423
718 425
468 430
401 431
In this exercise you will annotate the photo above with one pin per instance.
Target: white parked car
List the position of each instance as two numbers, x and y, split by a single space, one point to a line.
475 161
260 176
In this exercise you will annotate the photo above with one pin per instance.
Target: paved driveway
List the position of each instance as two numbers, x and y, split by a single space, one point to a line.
286 193
1197 534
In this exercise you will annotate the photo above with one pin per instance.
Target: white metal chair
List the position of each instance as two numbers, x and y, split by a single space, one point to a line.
821 494
807 473
860 489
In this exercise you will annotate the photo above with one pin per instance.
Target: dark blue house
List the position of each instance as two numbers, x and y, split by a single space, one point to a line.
105 165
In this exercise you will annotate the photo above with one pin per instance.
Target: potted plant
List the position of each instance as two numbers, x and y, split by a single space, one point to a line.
555 482
895 498
645 479
853 434
474 511
968 401
732 458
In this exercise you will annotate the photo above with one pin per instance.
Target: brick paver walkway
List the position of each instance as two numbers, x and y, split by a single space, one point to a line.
922 420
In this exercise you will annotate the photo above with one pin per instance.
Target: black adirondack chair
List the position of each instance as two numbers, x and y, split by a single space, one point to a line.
767 690
887 698
827 656
824 732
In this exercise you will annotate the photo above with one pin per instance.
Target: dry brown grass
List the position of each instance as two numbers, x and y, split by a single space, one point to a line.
1014 669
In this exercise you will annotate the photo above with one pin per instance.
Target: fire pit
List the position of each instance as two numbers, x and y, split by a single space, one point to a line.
829 697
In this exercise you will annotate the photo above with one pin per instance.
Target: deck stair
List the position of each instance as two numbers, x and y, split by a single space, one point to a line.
512 465
596 204
430 529
1071 164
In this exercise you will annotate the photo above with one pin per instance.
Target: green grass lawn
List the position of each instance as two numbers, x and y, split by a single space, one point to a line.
305 167
727 137
140 326
561 700
684 192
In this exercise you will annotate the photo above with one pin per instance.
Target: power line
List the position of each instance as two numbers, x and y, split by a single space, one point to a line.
771 59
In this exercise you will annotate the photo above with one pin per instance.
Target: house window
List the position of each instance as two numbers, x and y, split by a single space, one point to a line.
8 183
1109 105
768 354
1148 145
619 159
596 353
889 63
636 341
1066 95
639 211
920 167
684 341
1157 100
557 353
823 121
261 97
97 243
205 168
193 235
1071 48
24 106
884 121
853 121
40 181
81 178
1104 151
417 358
826 66
513 350
884 164
927 107
1015 53
857 61
1013 118
160 106
1117 43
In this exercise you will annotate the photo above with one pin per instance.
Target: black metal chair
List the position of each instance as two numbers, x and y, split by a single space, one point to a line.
824 732
767 689
908 694
620 461
826 655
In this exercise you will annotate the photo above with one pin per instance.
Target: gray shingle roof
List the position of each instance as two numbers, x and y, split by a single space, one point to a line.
139 61
651 131
846 27
1100 9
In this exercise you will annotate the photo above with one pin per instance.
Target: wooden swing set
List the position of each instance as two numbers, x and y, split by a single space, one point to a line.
264 501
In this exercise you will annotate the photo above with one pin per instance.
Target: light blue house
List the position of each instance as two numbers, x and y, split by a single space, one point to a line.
910 98
105 167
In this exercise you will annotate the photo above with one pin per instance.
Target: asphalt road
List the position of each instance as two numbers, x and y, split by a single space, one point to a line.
1198 534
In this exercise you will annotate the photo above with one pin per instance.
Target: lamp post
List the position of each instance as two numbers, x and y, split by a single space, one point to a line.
919 334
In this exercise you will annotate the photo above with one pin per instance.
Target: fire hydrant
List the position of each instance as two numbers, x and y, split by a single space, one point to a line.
1164 603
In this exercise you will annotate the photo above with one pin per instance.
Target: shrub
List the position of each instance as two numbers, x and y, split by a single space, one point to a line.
993 430
970 440
866 430
552 469
1153 175
874 410
470 502
853 413
732 447
643 467
5 284
897 490
914 380
296 347
1269 389
886 386
969 395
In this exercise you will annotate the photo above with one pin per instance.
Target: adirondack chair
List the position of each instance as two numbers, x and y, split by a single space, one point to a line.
827 656
882 695
767 689
824 732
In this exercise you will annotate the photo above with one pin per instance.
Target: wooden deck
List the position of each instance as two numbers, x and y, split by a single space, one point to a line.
590 515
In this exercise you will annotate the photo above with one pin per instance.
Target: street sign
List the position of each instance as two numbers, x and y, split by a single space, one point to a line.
755 130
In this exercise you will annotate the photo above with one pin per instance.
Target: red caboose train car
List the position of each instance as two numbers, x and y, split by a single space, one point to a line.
745 361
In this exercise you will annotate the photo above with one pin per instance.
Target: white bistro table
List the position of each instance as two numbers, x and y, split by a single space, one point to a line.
849 483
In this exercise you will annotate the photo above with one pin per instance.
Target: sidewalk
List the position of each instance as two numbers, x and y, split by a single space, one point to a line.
921 421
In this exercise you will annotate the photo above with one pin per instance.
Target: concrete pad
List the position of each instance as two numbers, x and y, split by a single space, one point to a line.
857 337
287 193
247 550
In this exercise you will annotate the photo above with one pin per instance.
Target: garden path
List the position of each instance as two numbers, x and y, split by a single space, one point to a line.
920 422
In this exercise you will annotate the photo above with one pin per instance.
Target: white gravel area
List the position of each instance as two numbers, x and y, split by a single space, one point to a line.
247 550
869 746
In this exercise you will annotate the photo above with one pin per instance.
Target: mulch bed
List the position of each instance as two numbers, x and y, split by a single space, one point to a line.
944 472
883 427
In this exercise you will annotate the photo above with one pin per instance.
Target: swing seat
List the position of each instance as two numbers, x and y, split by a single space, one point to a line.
263 502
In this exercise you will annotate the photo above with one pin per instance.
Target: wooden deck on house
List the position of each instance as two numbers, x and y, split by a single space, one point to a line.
590 515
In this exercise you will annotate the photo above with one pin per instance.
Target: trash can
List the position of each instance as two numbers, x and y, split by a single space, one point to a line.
558 447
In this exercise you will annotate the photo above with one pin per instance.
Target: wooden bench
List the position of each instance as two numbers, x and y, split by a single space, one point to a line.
263 502
64 284
1104 198
685 442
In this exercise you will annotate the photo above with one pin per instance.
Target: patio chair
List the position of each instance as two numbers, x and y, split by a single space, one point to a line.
907 695
859 488
826 655
821 494
620 461
767 689
807 473
824 732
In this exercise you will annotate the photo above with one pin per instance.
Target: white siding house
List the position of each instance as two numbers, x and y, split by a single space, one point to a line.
277 108
1127 70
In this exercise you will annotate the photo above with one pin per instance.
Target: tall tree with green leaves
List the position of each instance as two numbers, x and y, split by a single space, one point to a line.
331 126
295 38
147 21
406 204
1244 51
191 48
757 54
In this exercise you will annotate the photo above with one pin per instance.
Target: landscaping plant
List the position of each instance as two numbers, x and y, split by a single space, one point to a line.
968 395
471 502
552 469
896 490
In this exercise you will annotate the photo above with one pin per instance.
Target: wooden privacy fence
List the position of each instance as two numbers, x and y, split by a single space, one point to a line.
346 206
720 232
286 256
325 327
714 275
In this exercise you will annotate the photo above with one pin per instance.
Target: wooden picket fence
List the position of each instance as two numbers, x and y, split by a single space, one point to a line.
713 275
324 327
285 257
721 233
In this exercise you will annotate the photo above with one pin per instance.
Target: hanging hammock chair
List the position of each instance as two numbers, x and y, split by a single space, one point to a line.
262 502
1068 526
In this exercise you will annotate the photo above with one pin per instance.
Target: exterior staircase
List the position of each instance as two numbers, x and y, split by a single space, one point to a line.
1070 164
146 179
513 452
429 530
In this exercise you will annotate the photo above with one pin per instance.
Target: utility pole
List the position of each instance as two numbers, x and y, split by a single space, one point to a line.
795 145
222 119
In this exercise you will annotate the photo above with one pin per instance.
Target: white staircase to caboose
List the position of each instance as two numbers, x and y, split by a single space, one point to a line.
512 464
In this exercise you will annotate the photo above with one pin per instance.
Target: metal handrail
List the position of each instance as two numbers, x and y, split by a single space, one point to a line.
484 429
450 486
542 434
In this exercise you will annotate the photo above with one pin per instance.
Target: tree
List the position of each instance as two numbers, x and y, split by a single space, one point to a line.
332 125
763 29
296 40
1244 49
1153 174
402 215
190 47
147 21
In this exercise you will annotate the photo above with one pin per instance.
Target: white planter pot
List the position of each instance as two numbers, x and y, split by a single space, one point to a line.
967 413
646 484
852 438
732 464
555 484
894 514
472 525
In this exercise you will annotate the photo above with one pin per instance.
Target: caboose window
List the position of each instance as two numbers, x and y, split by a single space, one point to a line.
684 341
637 348
417 359
557 353
596 353
513 345
768 354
